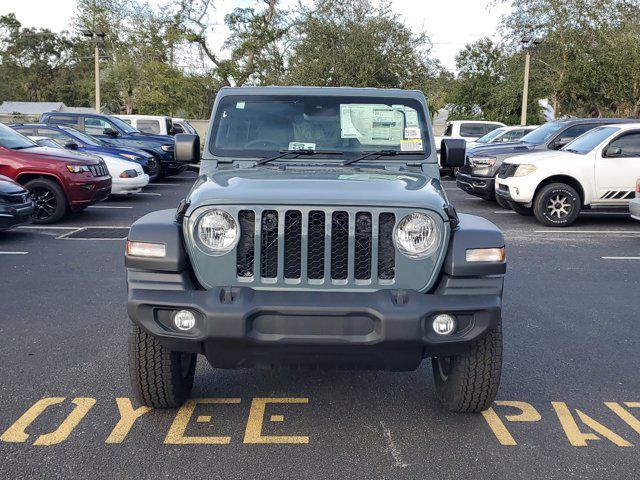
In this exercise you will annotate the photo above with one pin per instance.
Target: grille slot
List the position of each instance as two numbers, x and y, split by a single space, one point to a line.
507 170
292 244
386 249
316 247
246 249
269 245
339 245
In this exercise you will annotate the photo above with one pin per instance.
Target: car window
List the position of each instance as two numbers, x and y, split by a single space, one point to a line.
13 140
26 130
512 135
473 129
96 126
590 140
126 120
56 135
491 136
73 121
490 127
576 131
149 126
629 144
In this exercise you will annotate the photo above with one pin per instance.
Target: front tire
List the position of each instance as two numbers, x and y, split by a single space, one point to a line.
50 200
469 382
557 205
502 202
161 378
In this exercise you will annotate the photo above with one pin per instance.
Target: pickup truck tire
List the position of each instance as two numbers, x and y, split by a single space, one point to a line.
557 205
161 378
502 202
521 209
469 382
51 202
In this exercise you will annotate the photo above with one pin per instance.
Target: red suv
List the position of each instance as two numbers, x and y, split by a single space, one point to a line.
58 180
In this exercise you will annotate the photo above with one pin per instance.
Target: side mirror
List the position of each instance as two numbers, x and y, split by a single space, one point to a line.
71 145
612 151
176 130
187 148
561 142
452 152
110 132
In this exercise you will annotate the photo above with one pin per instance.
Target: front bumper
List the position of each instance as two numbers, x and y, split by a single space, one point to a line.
517 189
81 194
123 186
634 208
242 327
14 215
479 186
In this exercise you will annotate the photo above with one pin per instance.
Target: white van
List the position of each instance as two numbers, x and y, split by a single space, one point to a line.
158 125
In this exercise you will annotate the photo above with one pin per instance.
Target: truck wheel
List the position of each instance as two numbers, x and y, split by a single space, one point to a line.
502 202
161 378
50 200
469 382
557 205
521 209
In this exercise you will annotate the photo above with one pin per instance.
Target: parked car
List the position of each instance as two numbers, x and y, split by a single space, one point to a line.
329 249
73 139
477 176
502 135
180 125
154 124
16 205
58 180
634 203
126 177
595 170
116 132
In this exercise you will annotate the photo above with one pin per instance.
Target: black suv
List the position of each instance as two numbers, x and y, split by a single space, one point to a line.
114 131
477 176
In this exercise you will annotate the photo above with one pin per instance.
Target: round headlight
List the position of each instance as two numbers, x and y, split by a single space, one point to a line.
217 231
416 235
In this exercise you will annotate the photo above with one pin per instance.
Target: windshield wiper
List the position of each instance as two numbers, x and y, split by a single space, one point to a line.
380 153
297 153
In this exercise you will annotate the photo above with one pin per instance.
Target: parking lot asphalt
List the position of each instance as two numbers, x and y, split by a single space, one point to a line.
568 407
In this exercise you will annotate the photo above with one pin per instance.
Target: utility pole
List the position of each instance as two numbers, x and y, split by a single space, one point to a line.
526 42
98 39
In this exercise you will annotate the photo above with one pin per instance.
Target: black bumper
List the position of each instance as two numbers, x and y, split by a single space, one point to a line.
483 187
503 192
14 215
243 327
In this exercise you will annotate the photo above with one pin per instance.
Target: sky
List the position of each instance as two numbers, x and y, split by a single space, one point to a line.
450 23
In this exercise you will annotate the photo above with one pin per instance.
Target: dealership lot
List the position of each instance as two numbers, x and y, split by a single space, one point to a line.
569 404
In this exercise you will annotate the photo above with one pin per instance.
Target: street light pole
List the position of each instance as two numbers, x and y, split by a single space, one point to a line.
97 75
525 90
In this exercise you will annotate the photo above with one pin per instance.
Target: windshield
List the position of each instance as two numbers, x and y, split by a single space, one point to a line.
83 137
491 135
590 140
542 133
250 126
124 126
9 138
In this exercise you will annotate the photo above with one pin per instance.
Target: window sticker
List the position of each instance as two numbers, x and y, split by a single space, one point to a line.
240 105
302 146
412 132
411 145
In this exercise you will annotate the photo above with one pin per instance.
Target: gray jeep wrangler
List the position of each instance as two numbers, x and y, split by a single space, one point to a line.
318 235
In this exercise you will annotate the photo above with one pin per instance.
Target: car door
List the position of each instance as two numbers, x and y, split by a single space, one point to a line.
617 168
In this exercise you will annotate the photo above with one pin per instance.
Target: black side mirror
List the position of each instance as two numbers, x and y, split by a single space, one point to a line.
612 151
110 132
561 142
187 148
71 145
176 130
452 152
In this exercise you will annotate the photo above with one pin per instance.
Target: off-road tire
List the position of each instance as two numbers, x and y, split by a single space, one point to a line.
521 209
49 193
502 202
556 191
469 382
161 378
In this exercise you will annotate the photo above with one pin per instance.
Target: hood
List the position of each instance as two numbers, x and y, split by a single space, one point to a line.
113 150
504 149
9 186
59 154
118 165
318 186
543 156
150 137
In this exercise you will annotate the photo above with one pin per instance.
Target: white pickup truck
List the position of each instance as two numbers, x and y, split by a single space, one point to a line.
597 169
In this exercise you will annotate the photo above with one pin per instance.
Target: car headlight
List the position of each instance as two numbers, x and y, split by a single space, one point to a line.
482 165
129 174
417 235
167 148
524 169
130 156
216 231
78 168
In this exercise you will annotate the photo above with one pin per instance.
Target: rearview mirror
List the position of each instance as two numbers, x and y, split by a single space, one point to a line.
452 152
71 145
187 148
561 142
110 132
613 152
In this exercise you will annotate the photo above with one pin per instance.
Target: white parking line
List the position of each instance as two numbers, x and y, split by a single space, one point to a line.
590 232
472 198
166 184
107 206
46 227
147 193
13 253
504 211
621 258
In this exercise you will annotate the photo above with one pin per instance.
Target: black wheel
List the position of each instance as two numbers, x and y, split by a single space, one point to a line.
557 205
50 200
521 209
469 382
502 202
161 378
453 173
155 170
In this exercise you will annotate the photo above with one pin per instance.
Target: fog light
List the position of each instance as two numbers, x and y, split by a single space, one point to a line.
144 249
444 324
184 319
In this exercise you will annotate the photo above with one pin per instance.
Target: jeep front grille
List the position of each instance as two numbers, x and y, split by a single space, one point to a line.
316 247
99 170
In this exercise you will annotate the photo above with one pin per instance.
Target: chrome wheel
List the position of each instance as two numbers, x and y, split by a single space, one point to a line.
559 206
